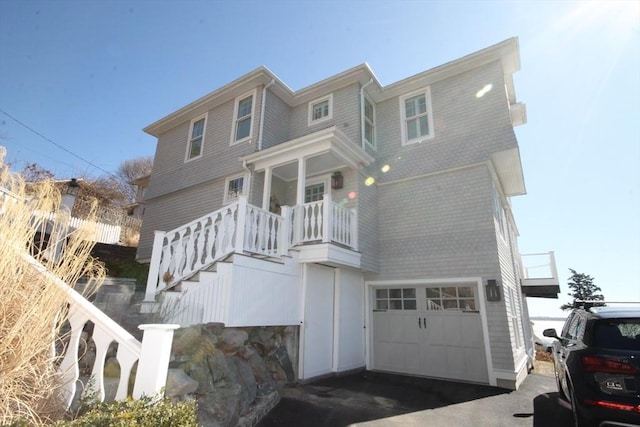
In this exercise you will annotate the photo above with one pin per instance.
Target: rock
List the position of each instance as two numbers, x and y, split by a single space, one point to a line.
220 409
218 366
281 357
248 383
263 378
233 340
179 383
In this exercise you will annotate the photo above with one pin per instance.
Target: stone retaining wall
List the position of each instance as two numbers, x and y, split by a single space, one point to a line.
233 373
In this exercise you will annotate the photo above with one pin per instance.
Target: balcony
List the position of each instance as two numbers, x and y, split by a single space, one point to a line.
539 275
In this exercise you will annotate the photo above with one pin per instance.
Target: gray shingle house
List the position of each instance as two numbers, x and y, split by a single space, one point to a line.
375 218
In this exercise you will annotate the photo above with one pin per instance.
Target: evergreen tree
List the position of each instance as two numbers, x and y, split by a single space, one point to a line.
582 289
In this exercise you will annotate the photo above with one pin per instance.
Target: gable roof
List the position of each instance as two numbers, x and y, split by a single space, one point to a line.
506 51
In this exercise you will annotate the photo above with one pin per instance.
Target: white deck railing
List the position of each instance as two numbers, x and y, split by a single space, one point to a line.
152 354
239 227
539 266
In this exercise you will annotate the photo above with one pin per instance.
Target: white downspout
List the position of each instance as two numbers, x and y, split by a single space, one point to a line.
262 108
362 111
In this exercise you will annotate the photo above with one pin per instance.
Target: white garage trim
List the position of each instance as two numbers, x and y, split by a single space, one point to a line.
370 285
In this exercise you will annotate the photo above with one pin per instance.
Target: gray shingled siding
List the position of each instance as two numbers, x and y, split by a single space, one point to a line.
276 121
346 115
368 244
219 159
467 129
173 210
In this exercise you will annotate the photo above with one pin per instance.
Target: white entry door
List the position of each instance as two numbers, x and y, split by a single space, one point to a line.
317 335
434 331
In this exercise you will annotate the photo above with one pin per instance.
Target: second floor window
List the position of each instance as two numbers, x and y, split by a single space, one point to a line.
369 123
196 138
320 110
417 120
243 118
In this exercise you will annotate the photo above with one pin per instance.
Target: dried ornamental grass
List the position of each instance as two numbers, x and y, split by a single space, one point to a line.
32 306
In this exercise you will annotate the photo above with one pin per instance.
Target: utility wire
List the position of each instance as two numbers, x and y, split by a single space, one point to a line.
24 125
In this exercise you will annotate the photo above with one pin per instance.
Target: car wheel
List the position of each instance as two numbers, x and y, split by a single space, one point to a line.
578 419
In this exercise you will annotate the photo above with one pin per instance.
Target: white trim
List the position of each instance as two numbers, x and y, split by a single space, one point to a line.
204 132
329 116
245 188
371 144
403 116
252 94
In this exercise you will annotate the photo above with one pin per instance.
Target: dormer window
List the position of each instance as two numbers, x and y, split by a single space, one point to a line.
417 118
321 109
243 118
196 137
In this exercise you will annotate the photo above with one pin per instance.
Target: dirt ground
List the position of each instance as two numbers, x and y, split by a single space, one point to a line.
543 364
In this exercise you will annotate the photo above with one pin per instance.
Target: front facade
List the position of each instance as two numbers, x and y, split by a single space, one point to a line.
377 218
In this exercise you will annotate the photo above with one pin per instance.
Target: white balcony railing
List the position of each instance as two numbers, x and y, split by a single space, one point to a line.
240 227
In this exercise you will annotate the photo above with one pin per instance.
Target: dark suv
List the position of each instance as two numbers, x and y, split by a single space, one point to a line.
597 365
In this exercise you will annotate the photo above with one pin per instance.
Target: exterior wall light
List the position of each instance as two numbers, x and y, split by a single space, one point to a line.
493 291
337 180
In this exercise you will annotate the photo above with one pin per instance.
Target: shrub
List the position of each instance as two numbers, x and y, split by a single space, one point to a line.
143 412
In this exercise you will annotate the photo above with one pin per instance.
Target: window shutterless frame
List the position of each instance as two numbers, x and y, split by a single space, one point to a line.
320 109
416 117
243 114
369 130
235 186
195 142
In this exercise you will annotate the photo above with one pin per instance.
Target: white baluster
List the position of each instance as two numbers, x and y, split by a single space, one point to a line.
102 340
69 365
126 359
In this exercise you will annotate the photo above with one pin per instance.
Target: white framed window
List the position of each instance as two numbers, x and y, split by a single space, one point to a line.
233 187
315 189
320 110
498 213
196 137
396 299
417 117
243 118
513 317
460 298
369 123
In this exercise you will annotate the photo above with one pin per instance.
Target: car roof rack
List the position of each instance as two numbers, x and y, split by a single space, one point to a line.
595 304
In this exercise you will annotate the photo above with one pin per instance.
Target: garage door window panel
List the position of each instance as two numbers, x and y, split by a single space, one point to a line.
396 299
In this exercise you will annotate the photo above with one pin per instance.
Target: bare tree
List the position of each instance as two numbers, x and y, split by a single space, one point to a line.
129 171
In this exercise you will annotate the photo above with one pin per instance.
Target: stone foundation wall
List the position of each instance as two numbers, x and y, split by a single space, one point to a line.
233 373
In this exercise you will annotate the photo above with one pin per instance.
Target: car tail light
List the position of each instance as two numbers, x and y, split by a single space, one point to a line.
613 405
600 364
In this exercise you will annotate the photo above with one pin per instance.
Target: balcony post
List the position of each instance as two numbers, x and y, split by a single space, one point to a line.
154 359
552 262
354 229
285 231
327 218
154 267
241 224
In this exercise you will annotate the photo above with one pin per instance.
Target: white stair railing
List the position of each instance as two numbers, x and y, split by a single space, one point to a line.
182 252
152 354
324 221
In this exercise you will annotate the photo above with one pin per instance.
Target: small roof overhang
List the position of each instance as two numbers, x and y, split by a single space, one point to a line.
325 150
508 167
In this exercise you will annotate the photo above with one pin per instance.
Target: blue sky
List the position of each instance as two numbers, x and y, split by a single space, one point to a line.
90 75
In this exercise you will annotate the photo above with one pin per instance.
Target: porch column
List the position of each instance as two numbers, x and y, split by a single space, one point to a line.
302 171
266 190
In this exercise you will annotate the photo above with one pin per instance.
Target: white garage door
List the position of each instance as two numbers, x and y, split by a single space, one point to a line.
434 331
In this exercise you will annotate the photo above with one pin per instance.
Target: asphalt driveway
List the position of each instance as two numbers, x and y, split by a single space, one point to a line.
377 400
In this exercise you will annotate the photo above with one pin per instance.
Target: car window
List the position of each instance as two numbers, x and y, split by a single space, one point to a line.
575 327
567 324
620 334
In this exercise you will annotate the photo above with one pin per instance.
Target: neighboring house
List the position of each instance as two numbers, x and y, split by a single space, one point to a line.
377 218
136 209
